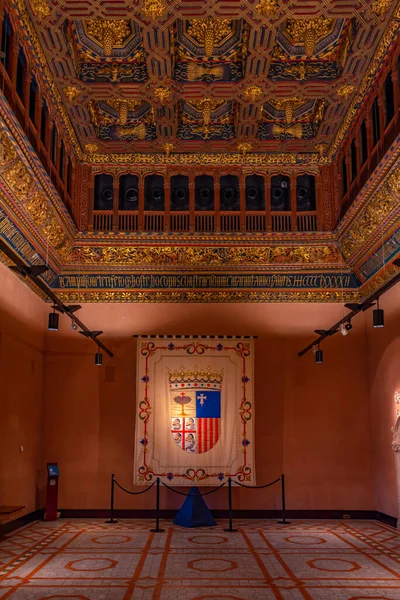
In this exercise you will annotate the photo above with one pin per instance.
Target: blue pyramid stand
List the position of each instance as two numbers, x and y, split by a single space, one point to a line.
194 512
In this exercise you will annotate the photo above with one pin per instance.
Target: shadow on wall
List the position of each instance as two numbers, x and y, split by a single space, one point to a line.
21 375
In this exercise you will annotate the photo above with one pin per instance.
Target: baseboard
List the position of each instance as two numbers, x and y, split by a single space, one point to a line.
20 522
104 513
387 519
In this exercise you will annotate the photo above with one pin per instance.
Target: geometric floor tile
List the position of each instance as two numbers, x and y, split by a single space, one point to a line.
306 560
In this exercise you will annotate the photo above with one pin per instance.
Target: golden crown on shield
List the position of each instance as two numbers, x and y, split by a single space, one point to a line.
202 376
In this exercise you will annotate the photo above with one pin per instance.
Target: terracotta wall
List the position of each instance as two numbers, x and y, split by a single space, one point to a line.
383 365
327 427
22 316
311 420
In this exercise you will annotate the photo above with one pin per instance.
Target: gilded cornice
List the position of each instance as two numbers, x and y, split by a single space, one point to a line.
208 297
10 127
206 257
23 195
40 57
234 239
378 280
250 159
378 214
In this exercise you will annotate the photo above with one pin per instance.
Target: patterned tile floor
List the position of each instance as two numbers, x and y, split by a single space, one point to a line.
90 560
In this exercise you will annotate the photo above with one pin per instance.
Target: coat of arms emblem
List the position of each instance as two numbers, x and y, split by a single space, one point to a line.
195 403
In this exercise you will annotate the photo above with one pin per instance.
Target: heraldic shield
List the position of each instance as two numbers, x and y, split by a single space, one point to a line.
195 403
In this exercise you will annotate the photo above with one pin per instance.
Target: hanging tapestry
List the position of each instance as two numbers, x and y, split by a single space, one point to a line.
195 410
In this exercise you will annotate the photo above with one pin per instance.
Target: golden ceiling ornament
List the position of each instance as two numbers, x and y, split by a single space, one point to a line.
7 150
153 8
206 105
108 33
19 179
195 71
267 8
295 131
123 107
123 111
168 148
72 93
288 105
162 93
289 110
244 147
40 9
308 31
321 148
138 131
394 183
380 7
91 148
38 208
253 93
319 112
54 232
209 32
345 90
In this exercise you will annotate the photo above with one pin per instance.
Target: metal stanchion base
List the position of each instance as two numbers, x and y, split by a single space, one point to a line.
284 522
112 521
157 530
230 530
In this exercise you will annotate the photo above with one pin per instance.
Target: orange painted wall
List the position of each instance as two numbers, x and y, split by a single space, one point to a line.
327 427
22 316
383 366
311 421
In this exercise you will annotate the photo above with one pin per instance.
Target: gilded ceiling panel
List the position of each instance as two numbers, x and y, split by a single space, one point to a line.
246 57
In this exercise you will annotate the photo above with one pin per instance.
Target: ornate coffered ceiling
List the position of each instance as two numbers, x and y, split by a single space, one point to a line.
283 77
345 265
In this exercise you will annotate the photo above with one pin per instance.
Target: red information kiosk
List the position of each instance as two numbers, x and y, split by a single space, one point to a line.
52 492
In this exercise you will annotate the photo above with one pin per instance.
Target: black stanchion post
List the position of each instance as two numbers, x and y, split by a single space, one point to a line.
157 529
283 522
230 528
111 519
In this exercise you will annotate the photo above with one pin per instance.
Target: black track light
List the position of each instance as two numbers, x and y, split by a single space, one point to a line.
319 357
53 320
348 326
98 358
378 316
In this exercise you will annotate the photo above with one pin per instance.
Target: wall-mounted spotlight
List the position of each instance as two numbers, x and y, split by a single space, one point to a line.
319 357
53 320
345 328
98 358
378 316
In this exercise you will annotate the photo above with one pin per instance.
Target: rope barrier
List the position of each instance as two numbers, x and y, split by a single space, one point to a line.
257 487
229 482
197 494
135 493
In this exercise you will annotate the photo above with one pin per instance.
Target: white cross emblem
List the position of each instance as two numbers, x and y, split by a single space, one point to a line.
202 397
